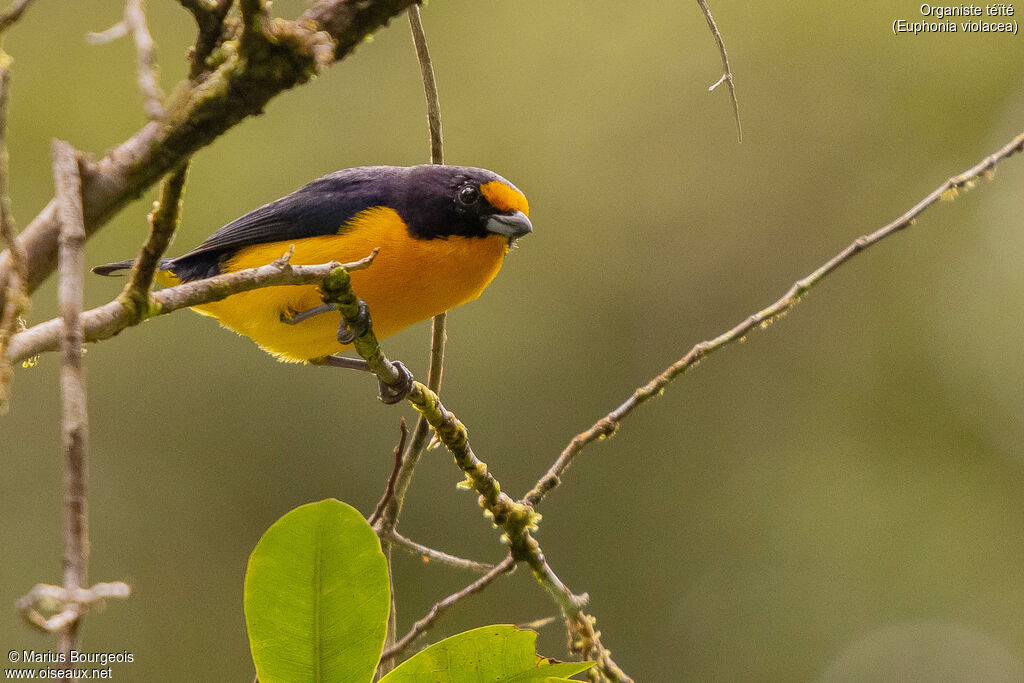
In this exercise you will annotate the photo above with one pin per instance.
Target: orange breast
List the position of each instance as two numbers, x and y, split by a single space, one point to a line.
410 280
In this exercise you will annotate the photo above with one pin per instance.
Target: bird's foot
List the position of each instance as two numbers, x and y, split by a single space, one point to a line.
395 393
389 393
350 330
298 317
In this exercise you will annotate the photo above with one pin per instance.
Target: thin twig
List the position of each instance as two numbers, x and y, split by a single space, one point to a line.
65 604
163 222
209 16
115 32
537 624
16 300
419 40
389 490
145 48
609 424
134 23
75 421
389 514
423 624
13 13
107 320
428 553
726 71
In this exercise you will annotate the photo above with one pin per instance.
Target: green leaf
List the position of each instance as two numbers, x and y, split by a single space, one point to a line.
484 655
549 670
317 597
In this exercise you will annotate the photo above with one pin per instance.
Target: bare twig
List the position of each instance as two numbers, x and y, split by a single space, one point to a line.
389 516
419 40
107 320
609 424
145 48
16 299
75 421
163 222
432 554
115 32
537 624
66 605
726 71
134 23
423 625
13 13
389 513
389 490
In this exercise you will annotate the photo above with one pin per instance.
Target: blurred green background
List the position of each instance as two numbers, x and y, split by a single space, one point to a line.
838 499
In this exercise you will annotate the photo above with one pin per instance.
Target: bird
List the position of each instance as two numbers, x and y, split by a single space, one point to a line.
442 232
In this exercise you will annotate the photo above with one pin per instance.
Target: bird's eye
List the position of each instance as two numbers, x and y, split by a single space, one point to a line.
468 195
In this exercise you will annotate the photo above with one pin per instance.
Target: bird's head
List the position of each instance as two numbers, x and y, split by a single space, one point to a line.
450 201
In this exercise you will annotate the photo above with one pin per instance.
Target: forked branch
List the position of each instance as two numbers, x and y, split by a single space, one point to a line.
726 71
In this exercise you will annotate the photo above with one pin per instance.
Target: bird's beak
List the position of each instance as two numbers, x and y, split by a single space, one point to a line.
510 225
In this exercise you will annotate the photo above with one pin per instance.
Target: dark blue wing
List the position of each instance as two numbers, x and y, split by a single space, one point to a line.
322 207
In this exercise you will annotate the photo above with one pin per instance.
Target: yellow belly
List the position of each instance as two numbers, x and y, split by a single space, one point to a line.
410 280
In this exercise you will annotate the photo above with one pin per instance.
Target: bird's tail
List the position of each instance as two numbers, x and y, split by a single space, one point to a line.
116 268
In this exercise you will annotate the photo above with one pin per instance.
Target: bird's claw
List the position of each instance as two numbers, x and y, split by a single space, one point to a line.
394 393
296 318
350 330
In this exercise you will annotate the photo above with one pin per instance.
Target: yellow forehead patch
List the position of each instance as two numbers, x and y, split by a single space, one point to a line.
504 198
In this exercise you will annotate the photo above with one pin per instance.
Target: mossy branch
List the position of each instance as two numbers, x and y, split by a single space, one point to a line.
420 435
163 223
516 519
237 86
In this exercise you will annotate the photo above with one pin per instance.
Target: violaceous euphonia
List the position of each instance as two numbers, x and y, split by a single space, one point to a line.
442 231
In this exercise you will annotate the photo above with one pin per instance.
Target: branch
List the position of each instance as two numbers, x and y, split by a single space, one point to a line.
506 566
67 605
107 320
726 72
75 419
202 111
609 424
145 48
134 23
428 554
15 299
388 513
163 222
419 40
413 453
516 519
389 490
13 13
